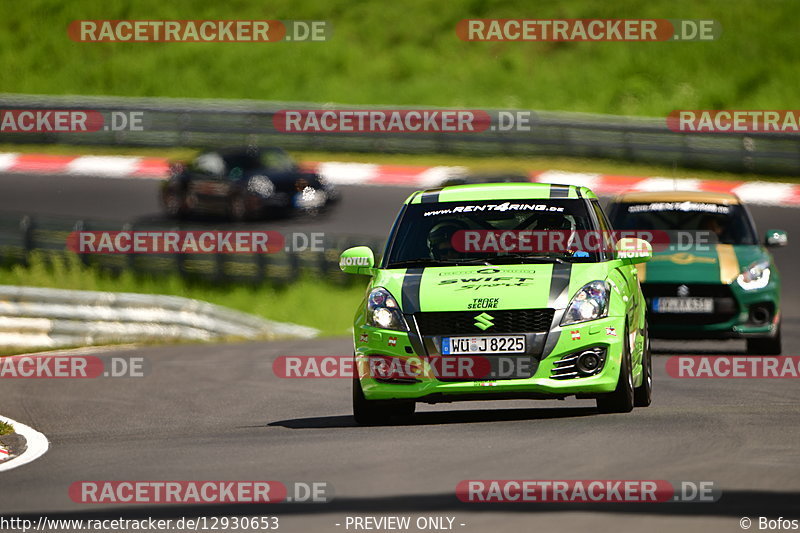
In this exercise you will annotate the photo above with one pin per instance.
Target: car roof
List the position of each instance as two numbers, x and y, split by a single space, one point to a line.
500 191
244 151
679 196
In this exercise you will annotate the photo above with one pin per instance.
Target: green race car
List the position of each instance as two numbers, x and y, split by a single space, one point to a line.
714 279
441 324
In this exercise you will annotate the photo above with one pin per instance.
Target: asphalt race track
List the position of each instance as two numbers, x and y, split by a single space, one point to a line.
217 412
136 200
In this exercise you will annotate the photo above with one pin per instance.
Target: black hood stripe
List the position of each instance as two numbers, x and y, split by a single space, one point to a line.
559 285
410 305
559 298
410 290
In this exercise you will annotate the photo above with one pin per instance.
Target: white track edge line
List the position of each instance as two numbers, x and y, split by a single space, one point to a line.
37 445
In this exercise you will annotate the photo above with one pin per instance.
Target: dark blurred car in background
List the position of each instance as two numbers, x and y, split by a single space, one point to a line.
244 183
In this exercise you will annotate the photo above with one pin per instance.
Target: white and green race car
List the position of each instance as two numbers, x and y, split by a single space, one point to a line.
441 324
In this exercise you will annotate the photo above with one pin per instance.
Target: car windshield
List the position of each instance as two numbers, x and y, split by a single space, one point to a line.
719 223
275 160
453 233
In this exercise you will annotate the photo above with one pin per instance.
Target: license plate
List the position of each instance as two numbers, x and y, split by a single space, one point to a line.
488 344
310 198
683 305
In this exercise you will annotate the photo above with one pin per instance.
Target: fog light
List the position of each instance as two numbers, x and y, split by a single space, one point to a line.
759 314
588 363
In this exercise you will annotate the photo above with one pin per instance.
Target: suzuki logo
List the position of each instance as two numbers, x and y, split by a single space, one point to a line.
484 321
683 291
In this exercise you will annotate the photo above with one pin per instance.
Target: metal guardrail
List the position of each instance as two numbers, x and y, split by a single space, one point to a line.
22 236
214 123
33 318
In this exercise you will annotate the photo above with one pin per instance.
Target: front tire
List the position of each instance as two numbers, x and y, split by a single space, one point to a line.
175 204
621 400
238 209
765 345
377 412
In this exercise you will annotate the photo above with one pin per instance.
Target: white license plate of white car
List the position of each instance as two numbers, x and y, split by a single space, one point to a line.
487 344
683 305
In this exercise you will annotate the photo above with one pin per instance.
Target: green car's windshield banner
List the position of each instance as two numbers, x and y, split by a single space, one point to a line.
426 232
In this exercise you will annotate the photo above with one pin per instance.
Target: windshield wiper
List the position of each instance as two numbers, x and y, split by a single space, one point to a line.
538 258
438 262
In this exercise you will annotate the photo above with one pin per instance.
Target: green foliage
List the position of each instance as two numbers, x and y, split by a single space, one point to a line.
408 53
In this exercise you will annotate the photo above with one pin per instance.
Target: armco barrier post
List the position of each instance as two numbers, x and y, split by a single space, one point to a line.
130 258
26 228
81 226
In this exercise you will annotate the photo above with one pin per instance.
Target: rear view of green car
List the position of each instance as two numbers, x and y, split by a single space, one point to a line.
715 279
441 323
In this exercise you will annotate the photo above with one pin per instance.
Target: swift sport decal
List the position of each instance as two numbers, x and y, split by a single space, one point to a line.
480 282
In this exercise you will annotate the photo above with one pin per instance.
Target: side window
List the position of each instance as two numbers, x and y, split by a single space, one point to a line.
604 225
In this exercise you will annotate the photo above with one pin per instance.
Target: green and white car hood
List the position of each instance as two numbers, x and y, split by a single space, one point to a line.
463 288
720 263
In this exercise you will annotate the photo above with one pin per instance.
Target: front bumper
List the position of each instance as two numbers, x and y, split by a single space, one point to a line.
544 351
737 313
307 200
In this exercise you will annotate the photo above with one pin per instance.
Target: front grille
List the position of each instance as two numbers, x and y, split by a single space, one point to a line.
565 368
700 290
725 306
463 322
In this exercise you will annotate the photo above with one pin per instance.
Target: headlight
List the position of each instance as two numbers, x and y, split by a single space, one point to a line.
261 185
756 276
383 311
589 303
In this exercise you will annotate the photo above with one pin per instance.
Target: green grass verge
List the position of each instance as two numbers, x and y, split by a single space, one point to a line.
309 302
5 428
408 53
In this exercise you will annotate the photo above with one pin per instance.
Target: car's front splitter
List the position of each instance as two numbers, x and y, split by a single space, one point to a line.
605 335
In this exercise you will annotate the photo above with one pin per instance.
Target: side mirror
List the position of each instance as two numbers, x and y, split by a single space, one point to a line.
358 260
633 251
776 237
